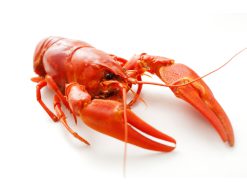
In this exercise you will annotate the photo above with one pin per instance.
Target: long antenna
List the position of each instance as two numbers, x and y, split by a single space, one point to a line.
125 132
194 80
234 56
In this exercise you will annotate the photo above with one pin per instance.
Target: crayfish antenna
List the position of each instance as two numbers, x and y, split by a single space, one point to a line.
125 131
211 72
140 82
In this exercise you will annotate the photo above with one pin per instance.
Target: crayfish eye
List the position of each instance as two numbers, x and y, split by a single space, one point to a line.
109 76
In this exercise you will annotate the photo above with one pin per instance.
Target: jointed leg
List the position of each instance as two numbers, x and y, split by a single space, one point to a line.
57 91
39 86
62 118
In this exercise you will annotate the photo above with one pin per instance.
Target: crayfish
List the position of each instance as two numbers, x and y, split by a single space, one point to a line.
93 85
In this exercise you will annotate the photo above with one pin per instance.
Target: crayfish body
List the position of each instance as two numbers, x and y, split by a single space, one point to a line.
93 85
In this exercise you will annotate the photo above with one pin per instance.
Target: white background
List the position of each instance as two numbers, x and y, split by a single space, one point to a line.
39 154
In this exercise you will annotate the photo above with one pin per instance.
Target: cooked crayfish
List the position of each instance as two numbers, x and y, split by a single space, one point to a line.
93 85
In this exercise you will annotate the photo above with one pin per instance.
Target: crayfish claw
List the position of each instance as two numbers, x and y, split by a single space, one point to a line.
106 116
199 96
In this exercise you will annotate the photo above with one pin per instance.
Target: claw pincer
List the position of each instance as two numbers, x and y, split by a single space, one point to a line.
92 85
199 96
106 116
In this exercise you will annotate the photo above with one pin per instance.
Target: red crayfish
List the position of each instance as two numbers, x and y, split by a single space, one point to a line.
93 85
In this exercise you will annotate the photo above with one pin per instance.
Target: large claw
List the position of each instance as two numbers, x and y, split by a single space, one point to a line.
198 95
106 116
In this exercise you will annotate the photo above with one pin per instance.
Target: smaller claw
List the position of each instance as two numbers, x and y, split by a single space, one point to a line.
106 116
199 96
